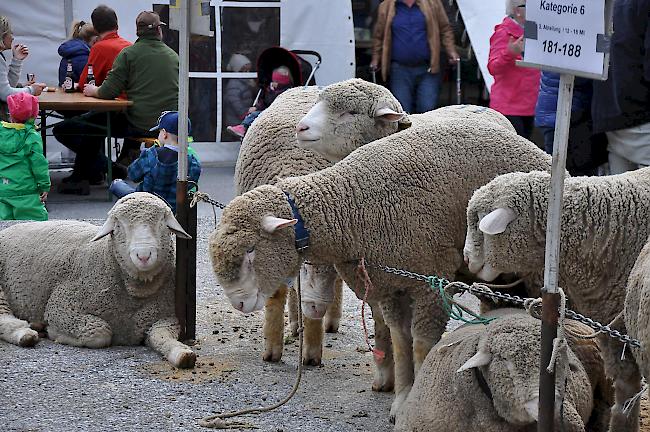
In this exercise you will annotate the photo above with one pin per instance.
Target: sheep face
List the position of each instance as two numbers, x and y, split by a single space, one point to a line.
253 252
505 227
508 358
139 225
346 116
317 289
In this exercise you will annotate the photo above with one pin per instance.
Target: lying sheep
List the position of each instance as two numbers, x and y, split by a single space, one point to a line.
603 231
268 153
399 201
94 287
486 378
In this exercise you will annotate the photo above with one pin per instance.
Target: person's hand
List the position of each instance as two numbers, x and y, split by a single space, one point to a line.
454 58
516 46
273 85
37 88
20 51
90 90
252 110
374 66
43 197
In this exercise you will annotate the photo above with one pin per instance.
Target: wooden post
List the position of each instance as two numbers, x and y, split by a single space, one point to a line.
550 295
182 204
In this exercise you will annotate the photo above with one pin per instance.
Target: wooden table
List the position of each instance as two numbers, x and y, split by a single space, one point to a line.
61 101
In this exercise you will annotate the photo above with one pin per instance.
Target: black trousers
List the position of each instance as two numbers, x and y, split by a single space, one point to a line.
85 135
522 124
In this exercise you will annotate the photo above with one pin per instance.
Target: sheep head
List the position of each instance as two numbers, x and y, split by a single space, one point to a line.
317 289
253 248
506 225
139 225
348 115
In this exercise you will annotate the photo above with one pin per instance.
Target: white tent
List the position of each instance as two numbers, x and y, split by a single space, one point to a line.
322 26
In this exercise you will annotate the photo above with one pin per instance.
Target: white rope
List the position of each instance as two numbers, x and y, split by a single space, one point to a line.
629 404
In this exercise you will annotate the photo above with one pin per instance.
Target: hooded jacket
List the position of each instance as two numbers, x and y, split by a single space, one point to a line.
77 51
23 168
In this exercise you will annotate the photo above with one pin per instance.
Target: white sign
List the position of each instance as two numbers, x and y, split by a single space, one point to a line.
567 36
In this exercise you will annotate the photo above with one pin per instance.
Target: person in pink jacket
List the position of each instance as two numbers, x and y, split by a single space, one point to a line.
514 92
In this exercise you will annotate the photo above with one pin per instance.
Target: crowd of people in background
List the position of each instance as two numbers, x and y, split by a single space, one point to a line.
610 120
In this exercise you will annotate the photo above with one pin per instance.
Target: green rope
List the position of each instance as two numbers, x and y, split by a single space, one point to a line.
453 309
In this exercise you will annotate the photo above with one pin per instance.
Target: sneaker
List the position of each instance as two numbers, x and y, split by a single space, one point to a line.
238 130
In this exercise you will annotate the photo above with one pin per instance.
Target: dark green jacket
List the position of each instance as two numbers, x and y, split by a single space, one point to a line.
23 168
148 72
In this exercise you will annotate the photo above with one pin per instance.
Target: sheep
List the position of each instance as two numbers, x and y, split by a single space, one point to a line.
268 153
334 126
636 310
95 286
487 378
601 237
398 201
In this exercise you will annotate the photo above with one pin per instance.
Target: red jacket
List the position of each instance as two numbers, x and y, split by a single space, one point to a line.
515 88
101 56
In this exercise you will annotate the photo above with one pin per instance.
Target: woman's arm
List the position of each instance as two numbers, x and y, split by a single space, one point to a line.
500 58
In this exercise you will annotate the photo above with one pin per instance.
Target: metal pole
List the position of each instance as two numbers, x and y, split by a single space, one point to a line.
550 296
182 204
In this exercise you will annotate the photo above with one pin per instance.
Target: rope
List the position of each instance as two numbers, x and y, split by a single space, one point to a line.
454 309
377 353
629 404
216 421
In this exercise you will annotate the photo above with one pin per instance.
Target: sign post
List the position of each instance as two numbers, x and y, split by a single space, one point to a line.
570 37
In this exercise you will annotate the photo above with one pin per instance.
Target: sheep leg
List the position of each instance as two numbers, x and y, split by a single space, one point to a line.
429 322
335 310
384 379
397 314
293 312
274 325
627 383
313 341
162 337
14 330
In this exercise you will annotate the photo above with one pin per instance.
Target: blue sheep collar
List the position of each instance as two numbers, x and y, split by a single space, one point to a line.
302 233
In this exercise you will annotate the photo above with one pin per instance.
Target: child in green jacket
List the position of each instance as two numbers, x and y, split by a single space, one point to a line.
24 173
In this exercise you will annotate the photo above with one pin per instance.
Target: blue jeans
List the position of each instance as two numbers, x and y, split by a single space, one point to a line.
415 88
248 120
120 188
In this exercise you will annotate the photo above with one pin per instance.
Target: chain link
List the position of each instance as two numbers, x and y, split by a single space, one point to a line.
201 196
477 290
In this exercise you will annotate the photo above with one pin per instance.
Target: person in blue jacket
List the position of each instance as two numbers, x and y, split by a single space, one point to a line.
585 151
76 49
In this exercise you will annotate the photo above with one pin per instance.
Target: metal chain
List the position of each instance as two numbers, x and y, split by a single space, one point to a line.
201 196
477 290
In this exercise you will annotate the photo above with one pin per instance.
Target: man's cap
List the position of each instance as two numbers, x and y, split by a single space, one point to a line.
148 20
168 120
22 106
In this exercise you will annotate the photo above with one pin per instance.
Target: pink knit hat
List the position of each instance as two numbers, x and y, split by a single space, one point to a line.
22 106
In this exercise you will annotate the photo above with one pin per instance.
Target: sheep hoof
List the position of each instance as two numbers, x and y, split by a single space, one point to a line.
331 326
383 381
182 358
270 356
382 387
26 337
314 361
400 398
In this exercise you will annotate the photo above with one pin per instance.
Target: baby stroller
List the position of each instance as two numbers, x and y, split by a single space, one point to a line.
301 70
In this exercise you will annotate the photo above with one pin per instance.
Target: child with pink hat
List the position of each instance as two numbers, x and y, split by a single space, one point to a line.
24 172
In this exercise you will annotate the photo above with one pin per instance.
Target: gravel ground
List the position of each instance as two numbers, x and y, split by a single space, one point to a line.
55 387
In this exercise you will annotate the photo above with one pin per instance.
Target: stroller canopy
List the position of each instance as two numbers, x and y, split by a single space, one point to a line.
274 57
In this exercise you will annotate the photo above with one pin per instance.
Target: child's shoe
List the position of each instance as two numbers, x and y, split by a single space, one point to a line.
238 130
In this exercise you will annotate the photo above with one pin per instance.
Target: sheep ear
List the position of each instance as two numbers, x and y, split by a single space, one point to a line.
479 359
271 223
175 227
387 114
497 221
106 229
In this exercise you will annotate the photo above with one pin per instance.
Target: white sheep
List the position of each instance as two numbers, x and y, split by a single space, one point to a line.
95 286
268 153
602 233
486 378
399 201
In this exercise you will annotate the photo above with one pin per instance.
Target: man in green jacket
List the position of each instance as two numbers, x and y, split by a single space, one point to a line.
147 72
24 173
